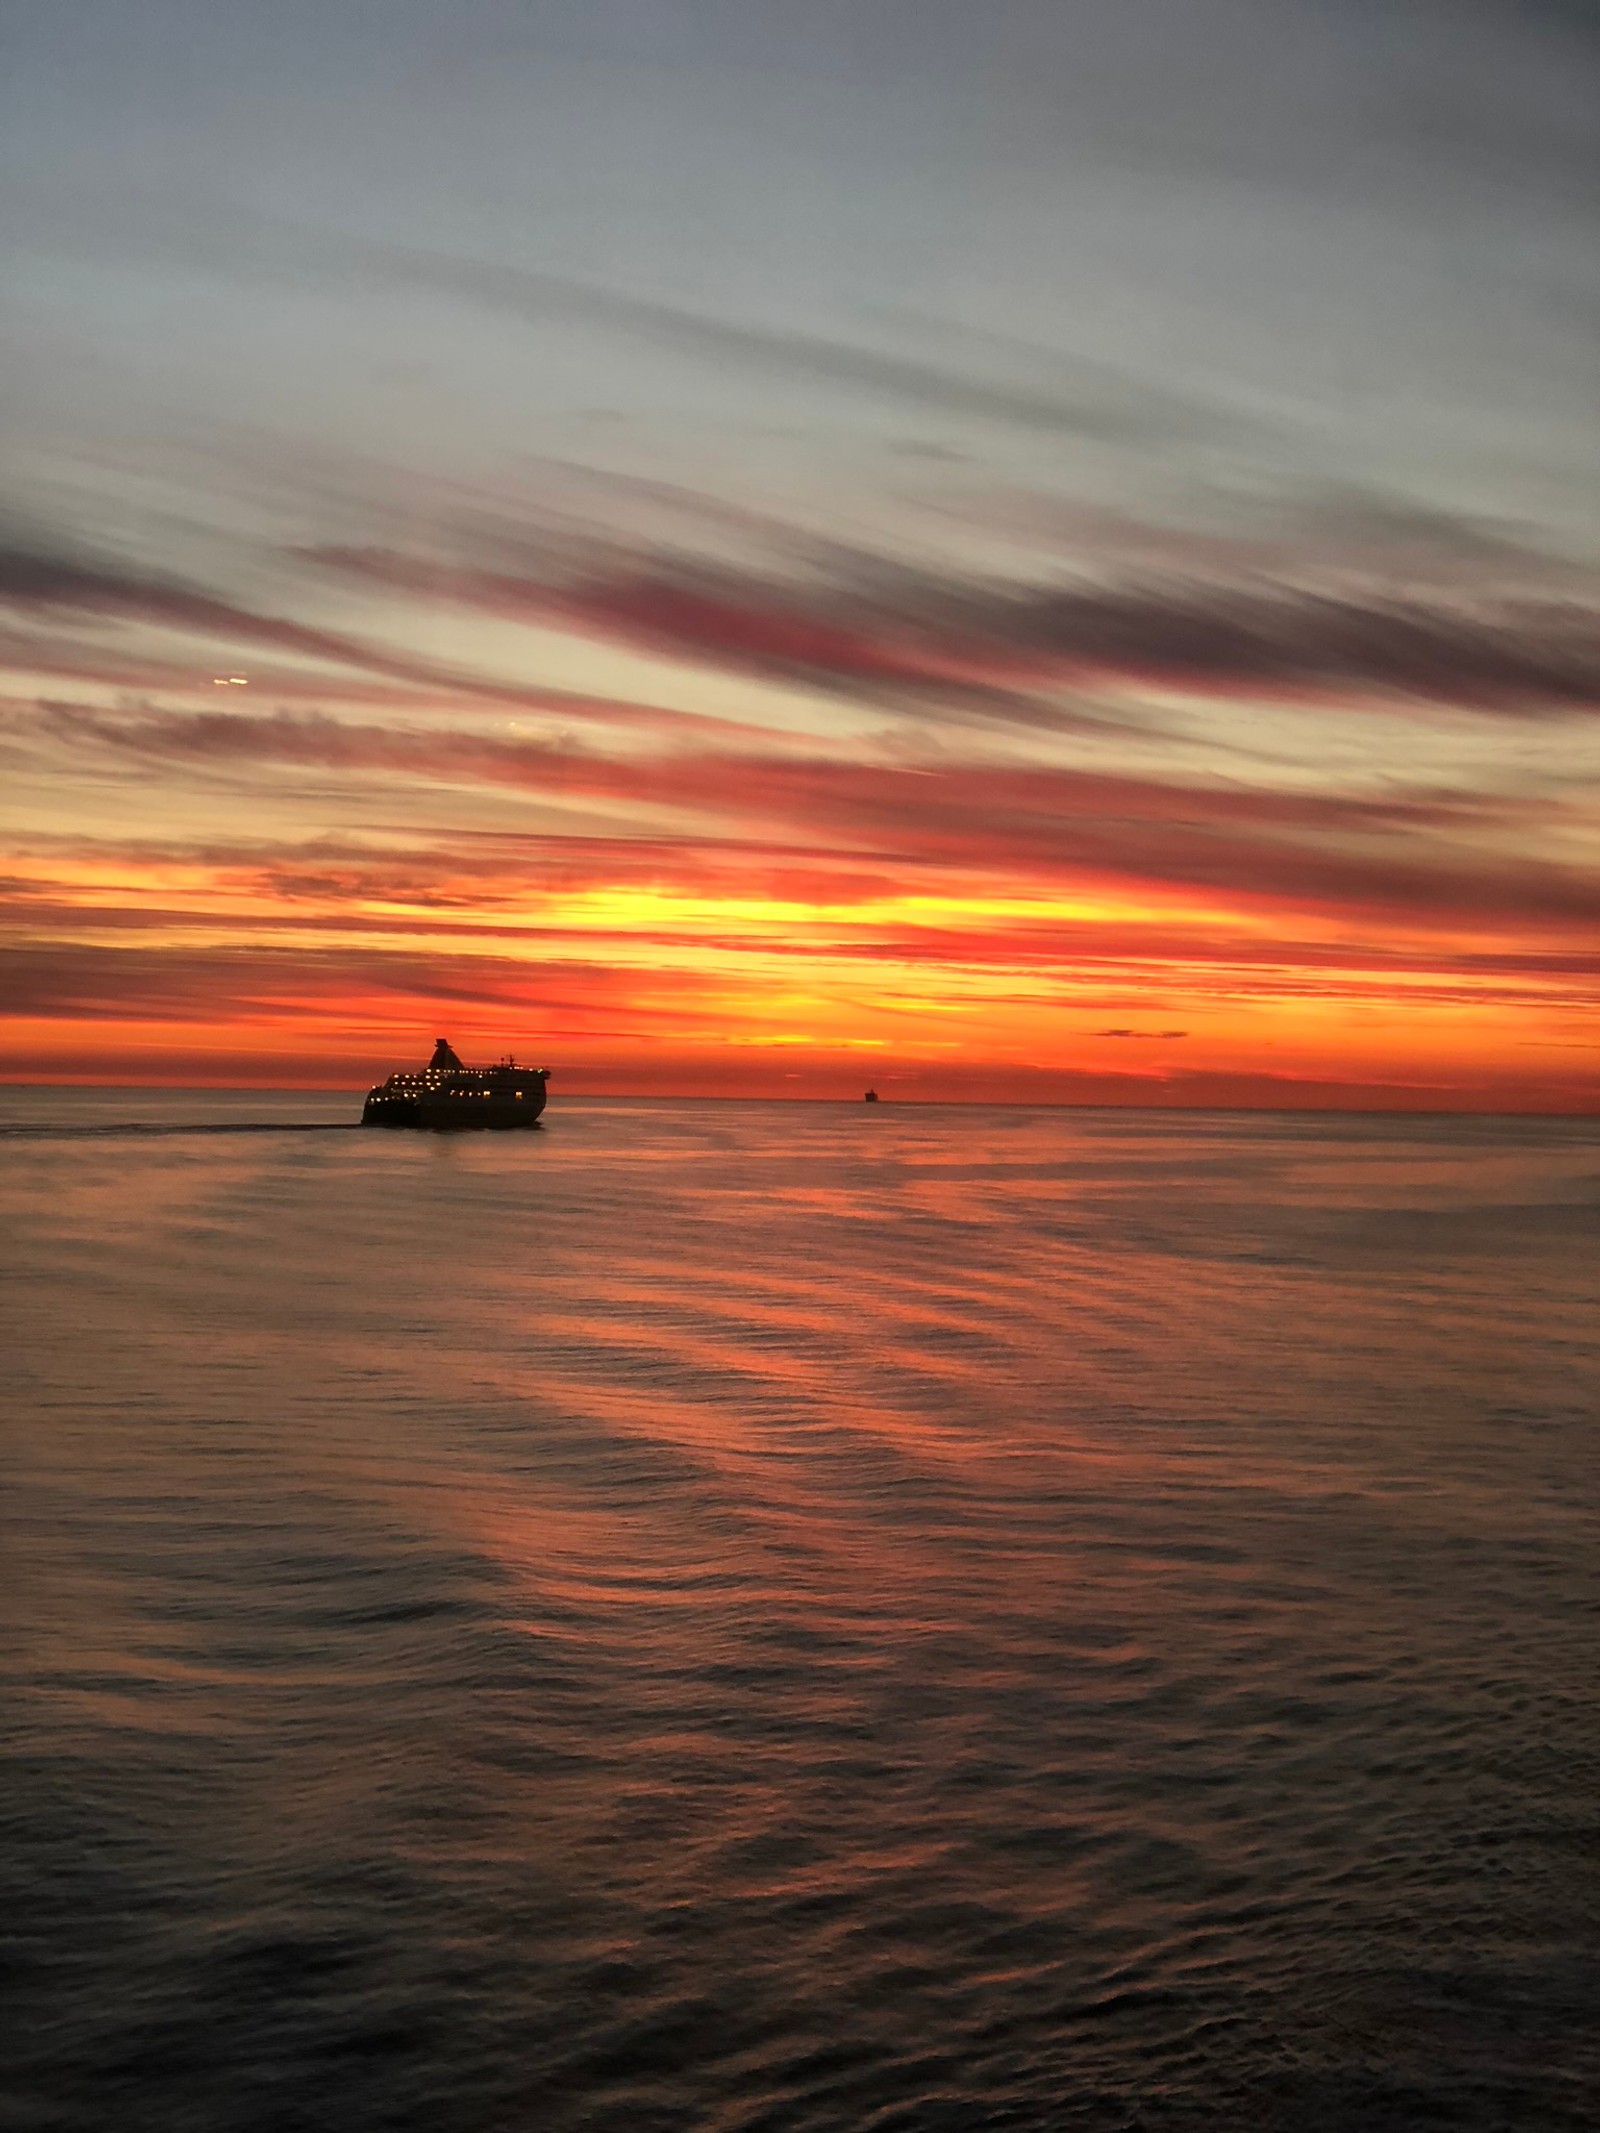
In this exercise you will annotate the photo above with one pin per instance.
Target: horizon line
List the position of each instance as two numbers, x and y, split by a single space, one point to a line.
921 1103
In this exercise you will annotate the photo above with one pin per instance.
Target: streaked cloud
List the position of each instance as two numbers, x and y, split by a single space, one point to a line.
893 624
1394 852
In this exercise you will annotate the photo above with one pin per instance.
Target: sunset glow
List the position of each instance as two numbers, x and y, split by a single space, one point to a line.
742 661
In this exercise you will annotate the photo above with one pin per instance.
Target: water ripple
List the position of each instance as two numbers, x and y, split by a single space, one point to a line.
745 1618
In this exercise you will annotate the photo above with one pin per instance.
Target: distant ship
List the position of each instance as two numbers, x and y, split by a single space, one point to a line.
446 1093
871 1097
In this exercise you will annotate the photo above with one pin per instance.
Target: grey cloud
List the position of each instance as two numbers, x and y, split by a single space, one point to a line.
1086 399
40 580
56 582
868 625
1050 391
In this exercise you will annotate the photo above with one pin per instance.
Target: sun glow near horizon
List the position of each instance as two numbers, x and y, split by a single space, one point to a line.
634 986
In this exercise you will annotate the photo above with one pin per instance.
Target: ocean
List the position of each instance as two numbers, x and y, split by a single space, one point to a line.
765 1618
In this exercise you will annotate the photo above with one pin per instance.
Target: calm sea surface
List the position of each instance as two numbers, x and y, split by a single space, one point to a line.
735 1616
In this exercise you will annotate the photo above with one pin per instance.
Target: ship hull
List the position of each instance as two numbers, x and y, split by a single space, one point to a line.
449 1118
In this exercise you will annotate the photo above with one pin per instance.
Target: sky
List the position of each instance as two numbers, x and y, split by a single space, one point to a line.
1035 552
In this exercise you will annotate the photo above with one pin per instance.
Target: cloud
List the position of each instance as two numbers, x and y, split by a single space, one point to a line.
502 890
926 643
99 981
1065 395
1152 1034
55 583
38 580
862 625
1405 852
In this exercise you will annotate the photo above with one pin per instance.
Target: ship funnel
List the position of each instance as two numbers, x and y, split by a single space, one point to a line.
444 1058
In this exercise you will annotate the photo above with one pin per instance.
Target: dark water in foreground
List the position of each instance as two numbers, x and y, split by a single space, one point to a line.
737 1616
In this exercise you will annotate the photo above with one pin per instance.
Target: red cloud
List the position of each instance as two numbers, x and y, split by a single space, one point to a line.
1076 826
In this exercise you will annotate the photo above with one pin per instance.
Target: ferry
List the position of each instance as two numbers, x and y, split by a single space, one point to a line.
445 1093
